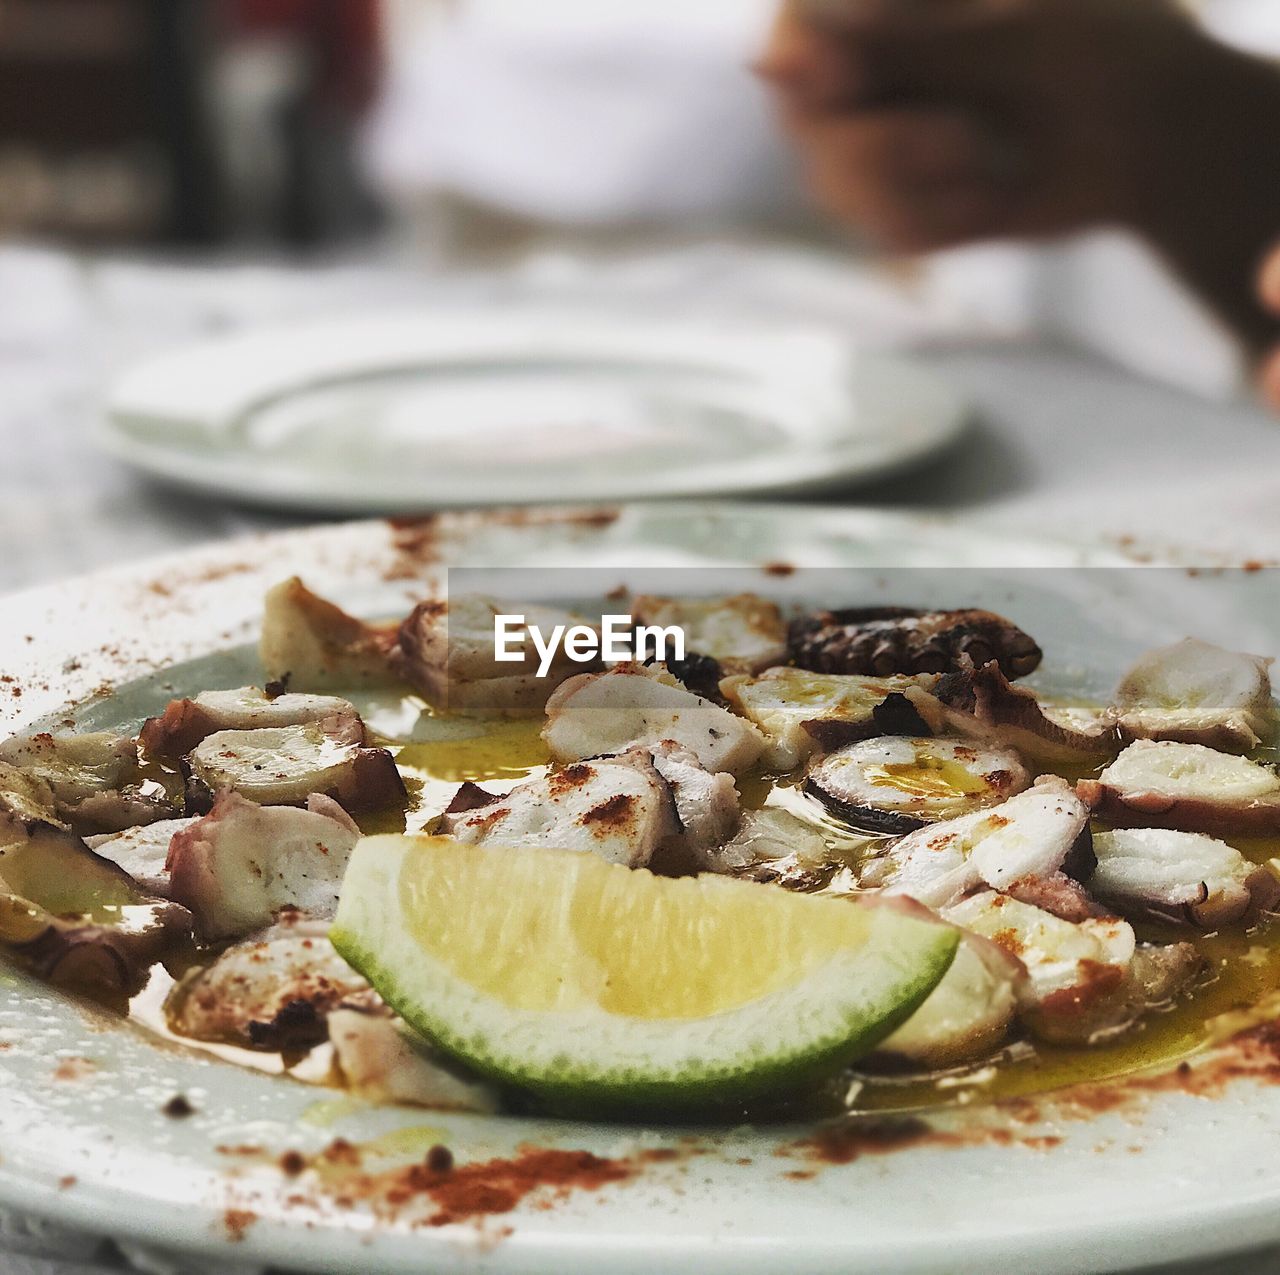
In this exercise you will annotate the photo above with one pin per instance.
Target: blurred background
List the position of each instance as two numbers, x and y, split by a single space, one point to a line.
451 131
175 168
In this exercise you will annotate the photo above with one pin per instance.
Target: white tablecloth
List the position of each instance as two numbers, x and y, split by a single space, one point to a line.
1063 443
1063 440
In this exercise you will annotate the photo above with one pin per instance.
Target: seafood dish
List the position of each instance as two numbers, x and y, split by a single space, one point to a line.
956 885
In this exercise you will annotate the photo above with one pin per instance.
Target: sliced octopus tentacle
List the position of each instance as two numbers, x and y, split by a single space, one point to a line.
878 641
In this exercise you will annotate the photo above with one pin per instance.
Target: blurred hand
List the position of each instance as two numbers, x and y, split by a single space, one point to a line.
929 123
1270 291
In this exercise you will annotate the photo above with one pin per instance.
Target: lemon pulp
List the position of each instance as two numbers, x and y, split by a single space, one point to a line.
621 939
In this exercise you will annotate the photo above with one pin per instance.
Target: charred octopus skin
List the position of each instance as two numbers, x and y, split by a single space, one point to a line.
878 641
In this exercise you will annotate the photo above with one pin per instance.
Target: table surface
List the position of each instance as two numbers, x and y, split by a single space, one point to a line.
1062 443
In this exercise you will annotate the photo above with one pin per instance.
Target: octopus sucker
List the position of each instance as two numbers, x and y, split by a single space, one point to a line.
879 641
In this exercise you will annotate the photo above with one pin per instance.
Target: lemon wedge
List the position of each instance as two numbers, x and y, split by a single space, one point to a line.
592 983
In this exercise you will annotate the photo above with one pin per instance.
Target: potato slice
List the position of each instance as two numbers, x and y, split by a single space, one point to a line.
968 1015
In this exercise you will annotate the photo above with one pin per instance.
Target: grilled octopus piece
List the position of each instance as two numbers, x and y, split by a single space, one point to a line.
878 641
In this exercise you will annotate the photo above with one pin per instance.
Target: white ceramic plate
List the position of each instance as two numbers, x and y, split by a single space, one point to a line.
520 404
1092 1180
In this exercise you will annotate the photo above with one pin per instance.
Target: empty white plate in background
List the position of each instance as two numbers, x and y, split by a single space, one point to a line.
424 409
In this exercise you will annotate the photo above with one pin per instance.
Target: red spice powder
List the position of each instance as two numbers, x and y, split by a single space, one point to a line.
1253 1055
292 1163
497 1186
613 812
664 1155
594 518
340 1151
843 1142
238 1222
473 1192
415 544
74 1068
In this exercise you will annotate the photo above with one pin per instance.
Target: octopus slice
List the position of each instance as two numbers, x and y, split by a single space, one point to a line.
700 674
380 1059
598 713
1033 836
284 765
1195 693
186 722
1181 874
706 807
142 852
969 1014
243 863
742 634
1080 985
896 784
1089 981
273 991
73 917
775 847
1186 786
25 800
980 703
310 644
879 641
446 650
74 766
1161 971
620 808
801 712
94 777
1060 894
